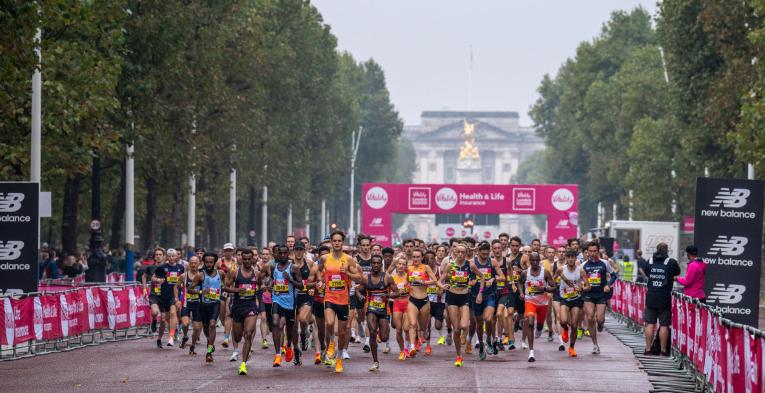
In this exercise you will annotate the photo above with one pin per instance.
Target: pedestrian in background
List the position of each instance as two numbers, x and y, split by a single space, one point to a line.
662 271
693 282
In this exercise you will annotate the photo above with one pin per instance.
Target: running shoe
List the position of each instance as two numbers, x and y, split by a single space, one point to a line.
449 339
265 344
579 333
587 332
192 350
224 343
339 366
458 362
367 348
441 340
331 350
412 353
531 356
208 357
505 340
561 347
537 333
277 361
234 356
402 355
159 343
428 350
550 337
170 341
386 349
510 345
524 345
496 347
243 369
184 341
571 352
297 360
564 336
417 345
596 350
481 351
289 354
346 355
375 367
317 358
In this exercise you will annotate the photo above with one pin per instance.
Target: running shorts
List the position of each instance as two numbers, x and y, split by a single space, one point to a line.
303 300
457 299
505 300
487 301
209 312
192 311
318 310
400 305
243 310
437 310
571 303
355 303
596 297
533 310
280 312
165 303
340 310
419 303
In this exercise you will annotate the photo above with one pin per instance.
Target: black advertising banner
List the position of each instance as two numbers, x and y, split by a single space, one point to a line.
728 234
19 220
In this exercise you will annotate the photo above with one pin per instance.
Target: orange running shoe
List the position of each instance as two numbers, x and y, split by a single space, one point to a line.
412 353
428 350
402 355
564 336
339 365
277 361
458 362
331 350
317 358
290 354
571 352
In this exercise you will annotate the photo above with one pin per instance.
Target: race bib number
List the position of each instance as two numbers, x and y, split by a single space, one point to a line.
377 302
460 277
516 277
500 284
172 277
416 278
570 293
281 286
192 297
156 290
534 288
403 289
213 294
248 290
594 279
336 283
486 273
432 290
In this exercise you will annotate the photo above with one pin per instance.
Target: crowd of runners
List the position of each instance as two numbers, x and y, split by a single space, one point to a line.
486 297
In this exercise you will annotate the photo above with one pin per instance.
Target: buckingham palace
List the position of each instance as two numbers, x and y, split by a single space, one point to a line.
468 147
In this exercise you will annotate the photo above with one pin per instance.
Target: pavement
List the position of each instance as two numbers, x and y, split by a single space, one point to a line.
138 366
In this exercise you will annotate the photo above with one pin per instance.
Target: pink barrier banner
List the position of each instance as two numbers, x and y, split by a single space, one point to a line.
731 357
64 314
559 202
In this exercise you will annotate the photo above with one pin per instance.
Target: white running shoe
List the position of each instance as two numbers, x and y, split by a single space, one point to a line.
386 349
596 350
375 367
537 333
234 356
345 354
524 345
531 356
170 341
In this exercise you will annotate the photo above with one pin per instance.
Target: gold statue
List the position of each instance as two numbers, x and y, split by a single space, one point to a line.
468 149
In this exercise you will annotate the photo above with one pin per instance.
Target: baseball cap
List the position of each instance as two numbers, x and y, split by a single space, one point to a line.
299 246
228 246
171 251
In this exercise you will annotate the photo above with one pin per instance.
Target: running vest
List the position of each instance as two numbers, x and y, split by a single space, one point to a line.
377 295
173 274
402 283
488 273
284 291
595 271
417 275
337 283
249 285
190 297
503 288
460 275
305 272
534 288
568 292
213 284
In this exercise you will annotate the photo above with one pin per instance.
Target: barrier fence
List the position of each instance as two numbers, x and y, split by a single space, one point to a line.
729 357
64 316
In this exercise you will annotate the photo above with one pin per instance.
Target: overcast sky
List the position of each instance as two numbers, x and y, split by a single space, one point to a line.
424 46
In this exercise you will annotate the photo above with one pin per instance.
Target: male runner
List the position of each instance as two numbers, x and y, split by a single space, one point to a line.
285 278
357 297
153 289
457 272
600 277
505 288
304 301
537 283
406 255
209 305
264 296
190 304
572 282
319 340
167 276
225 264
483 312
377 285
337 270
243 284
516 265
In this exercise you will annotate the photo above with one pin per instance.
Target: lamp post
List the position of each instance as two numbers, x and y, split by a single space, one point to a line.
355 139
97 260
469 224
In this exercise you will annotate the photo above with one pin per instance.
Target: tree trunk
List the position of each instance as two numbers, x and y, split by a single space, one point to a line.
147 235
118 212
175 225
69 215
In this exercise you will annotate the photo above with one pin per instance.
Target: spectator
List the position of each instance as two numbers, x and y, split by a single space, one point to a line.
662 271
642 266
73 266
693 282
48 266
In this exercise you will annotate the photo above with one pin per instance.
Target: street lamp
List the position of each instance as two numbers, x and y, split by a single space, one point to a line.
469 224
355 139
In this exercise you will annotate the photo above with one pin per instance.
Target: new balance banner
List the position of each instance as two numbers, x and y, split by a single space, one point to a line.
19 220
728 233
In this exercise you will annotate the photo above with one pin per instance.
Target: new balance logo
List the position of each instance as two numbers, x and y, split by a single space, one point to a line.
376 221
730 294
10 250
730 198
731 247
10 202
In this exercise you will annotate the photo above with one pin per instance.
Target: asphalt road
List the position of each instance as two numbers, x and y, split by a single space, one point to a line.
138 366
